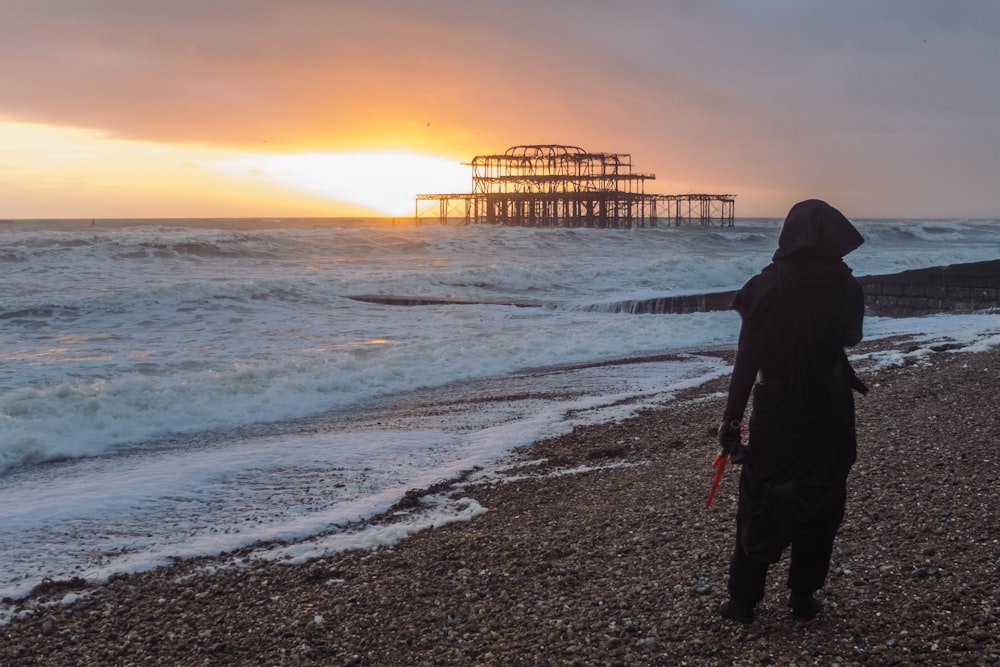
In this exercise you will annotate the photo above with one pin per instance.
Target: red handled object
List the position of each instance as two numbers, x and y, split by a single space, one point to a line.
719 464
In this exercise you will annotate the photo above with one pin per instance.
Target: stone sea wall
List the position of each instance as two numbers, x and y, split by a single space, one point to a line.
959 288
940 289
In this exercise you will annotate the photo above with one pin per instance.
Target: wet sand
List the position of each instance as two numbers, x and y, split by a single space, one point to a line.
602 553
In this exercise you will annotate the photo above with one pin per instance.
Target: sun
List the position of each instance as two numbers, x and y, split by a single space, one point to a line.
385 182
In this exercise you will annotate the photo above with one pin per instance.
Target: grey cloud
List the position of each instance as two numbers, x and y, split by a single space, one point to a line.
786 90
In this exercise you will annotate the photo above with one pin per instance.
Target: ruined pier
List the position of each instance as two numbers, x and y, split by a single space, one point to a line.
566 186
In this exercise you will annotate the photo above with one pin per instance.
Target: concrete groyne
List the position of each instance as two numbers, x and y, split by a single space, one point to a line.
958 288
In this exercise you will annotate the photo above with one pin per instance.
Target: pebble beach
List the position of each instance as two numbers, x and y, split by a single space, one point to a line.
597 549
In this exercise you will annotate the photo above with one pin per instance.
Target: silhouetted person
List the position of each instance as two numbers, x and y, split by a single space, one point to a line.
797 314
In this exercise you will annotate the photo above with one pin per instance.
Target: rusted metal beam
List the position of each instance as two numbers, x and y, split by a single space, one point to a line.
565 186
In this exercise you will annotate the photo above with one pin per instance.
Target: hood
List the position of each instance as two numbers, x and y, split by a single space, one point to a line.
813 228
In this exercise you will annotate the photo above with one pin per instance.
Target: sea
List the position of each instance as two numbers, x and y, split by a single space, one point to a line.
177 388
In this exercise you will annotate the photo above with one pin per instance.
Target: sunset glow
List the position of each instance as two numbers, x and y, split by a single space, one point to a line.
78 173
382 181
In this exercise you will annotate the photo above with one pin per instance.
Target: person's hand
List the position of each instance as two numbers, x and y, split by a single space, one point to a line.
730 431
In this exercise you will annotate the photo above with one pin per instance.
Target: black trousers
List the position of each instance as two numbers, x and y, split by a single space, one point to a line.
812 548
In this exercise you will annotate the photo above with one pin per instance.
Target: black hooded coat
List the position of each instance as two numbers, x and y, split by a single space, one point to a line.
798 314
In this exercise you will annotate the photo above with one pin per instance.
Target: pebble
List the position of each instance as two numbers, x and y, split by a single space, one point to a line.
587 575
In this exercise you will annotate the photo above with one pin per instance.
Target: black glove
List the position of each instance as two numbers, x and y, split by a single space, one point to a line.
730 432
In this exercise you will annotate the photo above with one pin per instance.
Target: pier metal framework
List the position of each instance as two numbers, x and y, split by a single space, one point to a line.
565 186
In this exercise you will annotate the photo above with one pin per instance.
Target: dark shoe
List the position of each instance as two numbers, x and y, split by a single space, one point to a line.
735 611
804 607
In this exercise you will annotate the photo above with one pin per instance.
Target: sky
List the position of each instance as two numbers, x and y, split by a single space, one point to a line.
235 108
